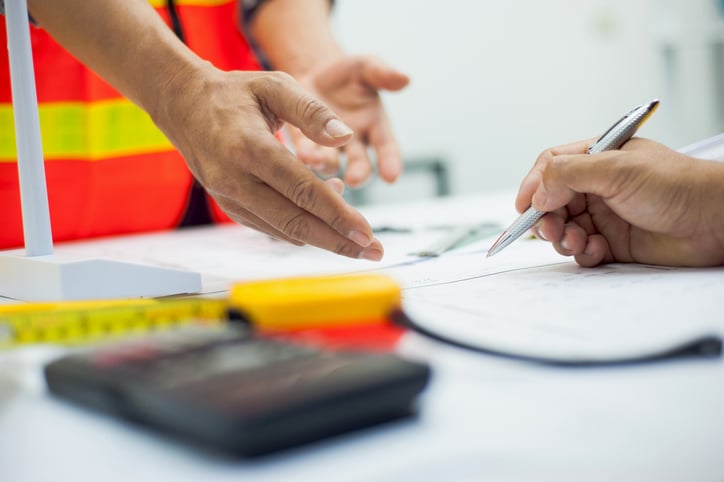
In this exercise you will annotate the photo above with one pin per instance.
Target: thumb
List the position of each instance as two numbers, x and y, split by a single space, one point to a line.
365 69
379 75
287 100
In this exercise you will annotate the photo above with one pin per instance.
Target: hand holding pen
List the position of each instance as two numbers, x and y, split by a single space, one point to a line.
644 203
613 138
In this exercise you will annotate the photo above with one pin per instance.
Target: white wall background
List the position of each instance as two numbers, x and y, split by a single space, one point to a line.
496 82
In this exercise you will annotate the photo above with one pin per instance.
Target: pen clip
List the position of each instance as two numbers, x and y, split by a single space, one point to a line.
615 126
625 128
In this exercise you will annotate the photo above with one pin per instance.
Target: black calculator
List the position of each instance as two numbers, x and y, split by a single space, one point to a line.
230 390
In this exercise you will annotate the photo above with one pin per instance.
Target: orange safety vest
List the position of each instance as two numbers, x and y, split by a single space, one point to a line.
109 169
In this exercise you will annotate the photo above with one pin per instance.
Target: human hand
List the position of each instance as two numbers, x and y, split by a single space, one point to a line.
644 203
351 85
224 124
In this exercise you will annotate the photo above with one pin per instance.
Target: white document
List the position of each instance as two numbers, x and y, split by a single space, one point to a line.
532 303
711 148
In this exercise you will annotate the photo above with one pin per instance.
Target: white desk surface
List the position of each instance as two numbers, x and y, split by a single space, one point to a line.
482 418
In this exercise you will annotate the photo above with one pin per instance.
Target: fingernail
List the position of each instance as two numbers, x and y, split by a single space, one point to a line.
360 238
565 244
357 176
371 254
336 128
589 251
336 185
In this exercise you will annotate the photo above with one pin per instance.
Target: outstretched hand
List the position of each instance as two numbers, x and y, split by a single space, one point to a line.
224 123
351 87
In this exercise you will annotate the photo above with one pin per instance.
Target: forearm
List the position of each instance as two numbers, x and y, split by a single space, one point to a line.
124 41
307 41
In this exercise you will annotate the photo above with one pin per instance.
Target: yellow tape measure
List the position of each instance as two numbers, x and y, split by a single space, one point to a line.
280 304
80 322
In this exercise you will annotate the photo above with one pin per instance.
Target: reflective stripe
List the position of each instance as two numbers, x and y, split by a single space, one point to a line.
191 3
88 131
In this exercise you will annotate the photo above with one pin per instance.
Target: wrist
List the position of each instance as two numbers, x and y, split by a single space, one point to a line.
180 84
716 211
300 59
712 200
303 64
307 43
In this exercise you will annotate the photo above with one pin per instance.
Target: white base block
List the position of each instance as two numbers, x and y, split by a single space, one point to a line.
54 277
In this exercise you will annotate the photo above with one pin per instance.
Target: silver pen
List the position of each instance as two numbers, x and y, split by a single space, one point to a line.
615 137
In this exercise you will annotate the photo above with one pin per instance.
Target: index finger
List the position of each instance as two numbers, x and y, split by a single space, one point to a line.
571 175
284 98
533 179
279 169
389 160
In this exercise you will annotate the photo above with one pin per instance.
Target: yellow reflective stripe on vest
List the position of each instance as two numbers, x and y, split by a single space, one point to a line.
87 131
192 3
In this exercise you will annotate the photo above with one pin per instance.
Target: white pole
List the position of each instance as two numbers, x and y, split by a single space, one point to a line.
31 170
40 275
